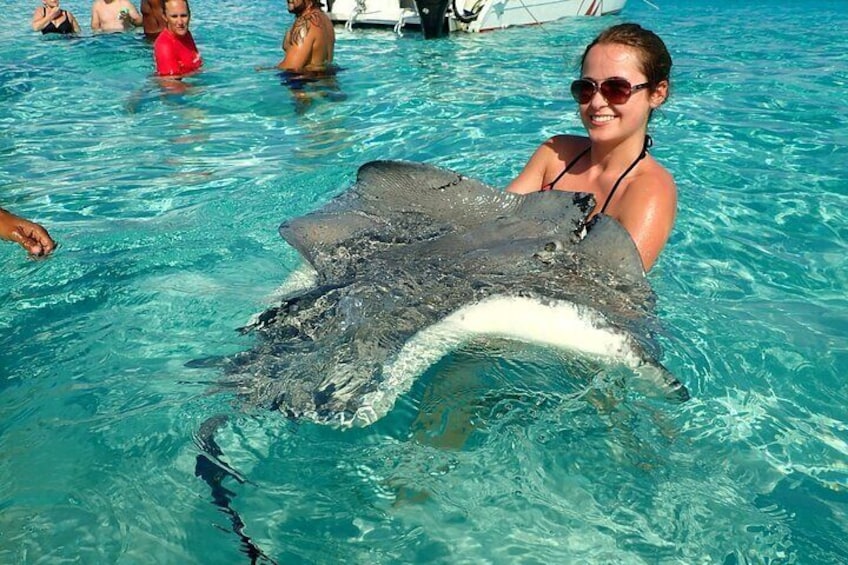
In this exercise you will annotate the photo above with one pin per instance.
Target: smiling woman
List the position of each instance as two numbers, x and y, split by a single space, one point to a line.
625 77
175 51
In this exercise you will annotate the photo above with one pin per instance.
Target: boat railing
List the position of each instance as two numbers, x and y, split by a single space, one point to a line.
359 8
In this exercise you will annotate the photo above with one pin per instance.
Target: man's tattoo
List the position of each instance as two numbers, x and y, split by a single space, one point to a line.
301 27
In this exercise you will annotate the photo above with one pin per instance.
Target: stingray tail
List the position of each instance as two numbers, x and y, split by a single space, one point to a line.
214 471
669 386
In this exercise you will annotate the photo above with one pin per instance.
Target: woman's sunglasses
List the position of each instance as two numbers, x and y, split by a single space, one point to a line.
614 90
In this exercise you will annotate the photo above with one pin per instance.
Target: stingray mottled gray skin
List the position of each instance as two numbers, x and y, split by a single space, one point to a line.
407 245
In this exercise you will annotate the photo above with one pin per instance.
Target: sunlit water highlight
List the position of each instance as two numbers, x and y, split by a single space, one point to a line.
166 208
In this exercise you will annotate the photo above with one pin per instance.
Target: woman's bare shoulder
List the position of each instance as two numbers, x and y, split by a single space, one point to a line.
647 210
653 182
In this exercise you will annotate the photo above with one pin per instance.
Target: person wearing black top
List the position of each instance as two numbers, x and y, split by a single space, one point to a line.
49 18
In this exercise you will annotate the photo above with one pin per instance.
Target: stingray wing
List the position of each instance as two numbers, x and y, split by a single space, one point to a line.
392 188
609 246
396 202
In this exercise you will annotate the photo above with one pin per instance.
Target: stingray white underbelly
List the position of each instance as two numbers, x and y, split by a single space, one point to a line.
554 323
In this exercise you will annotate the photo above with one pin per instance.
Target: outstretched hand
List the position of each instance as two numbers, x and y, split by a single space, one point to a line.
29 235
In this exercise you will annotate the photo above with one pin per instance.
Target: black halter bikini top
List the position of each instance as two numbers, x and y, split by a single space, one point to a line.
64 28
648 143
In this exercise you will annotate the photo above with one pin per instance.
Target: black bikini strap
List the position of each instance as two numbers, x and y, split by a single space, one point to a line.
648 143
567 168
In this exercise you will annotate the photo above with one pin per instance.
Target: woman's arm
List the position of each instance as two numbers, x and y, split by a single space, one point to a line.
547 155
41 17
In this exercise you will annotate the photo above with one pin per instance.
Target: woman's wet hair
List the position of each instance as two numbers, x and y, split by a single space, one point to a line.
653 55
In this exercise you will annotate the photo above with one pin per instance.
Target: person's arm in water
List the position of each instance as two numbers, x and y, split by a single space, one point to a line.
29 235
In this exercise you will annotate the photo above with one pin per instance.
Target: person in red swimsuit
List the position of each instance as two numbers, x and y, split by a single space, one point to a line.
175 53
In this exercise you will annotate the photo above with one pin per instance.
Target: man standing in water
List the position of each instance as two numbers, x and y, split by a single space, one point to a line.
310 41
153 16
114 15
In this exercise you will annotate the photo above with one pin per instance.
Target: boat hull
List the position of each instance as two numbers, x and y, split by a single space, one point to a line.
499 14
438 17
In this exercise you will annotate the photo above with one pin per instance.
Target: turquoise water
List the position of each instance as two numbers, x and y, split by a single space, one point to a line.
166 208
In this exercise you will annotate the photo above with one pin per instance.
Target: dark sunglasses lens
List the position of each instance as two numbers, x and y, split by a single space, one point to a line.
582 90
616 90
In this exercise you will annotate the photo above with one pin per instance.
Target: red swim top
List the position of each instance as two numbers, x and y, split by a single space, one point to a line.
176 55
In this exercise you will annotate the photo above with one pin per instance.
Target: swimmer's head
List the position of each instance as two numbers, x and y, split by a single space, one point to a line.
177 16
297 7
166 2
653 56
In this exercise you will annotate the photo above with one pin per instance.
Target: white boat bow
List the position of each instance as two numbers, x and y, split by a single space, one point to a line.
439 17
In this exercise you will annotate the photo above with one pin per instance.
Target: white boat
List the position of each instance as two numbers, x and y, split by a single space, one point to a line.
439 17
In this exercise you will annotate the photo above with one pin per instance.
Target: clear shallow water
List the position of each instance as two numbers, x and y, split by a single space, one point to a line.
166 210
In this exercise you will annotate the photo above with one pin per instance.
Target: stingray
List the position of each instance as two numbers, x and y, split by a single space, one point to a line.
411 262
